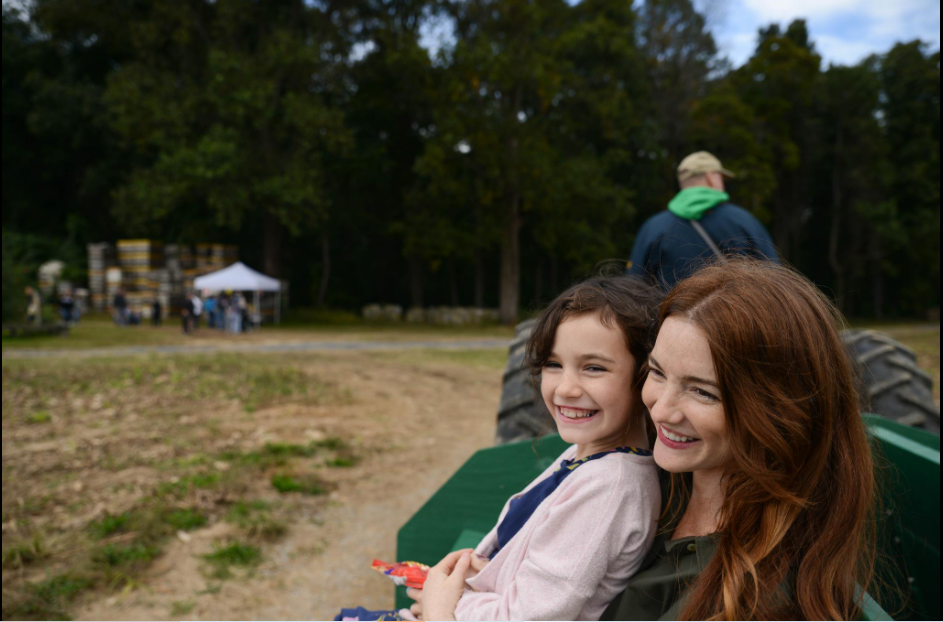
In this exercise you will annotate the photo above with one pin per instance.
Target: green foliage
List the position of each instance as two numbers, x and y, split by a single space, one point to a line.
530 149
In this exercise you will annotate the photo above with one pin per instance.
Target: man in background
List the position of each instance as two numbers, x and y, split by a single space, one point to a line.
699 224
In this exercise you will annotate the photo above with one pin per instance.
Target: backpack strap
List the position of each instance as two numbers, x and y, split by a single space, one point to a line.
708 240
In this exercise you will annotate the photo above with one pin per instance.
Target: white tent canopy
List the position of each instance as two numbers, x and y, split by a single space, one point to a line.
240 277
237 277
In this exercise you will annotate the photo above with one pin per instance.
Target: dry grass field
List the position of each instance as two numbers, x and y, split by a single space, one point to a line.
225 486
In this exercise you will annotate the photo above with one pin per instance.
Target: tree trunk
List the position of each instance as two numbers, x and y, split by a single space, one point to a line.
838 267
877 288
538 283
453 283
414 266
272 234
554 287
511 244
511 265
325 268
479 280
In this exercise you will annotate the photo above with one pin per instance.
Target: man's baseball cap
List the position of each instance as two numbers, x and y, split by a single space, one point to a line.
700 163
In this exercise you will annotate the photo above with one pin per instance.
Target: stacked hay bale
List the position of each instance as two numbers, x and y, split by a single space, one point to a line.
149 271
100 257
138 259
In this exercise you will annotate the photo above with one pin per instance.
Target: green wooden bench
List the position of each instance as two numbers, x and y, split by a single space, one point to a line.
460 513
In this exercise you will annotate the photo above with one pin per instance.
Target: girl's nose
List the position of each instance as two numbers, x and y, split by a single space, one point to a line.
569 387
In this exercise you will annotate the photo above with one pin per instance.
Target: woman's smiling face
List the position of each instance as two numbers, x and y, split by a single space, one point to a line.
683 397
587 384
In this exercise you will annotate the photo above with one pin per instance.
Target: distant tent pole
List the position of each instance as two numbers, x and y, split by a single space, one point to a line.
278 307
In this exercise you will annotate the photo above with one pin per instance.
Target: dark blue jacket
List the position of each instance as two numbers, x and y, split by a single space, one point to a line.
668 249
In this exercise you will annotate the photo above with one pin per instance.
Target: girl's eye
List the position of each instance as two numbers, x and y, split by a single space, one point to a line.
595 368
656 373
551 365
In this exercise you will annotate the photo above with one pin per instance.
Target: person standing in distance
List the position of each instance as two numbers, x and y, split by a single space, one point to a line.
699 224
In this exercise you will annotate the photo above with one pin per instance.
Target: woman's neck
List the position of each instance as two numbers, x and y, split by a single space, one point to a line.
702 515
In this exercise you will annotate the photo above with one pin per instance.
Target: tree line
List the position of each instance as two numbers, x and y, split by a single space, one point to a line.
342 155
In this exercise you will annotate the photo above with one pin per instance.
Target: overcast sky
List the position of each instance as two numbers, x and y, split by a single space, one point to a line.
844 31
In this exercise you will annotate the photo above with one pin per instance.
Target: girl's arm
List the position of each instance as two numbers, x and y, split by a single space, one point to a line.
597 519
444 586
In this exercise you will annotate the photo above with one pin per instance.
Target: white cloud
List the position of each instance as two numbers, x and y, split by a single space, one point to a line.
778 11
844 31
842 51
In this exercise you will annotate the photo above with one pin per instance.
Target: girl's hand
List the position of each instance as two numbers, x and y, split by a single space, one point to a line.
478 564
444 587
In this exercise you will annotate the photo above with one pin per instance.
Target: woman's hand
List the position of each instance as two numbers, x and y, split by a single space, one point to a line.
443 587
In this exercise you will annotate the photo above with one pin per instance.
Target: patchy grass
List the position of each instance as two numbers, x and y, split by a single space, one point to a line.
342 462
135 450
25 552
185 519
47 599
125 556
40 416
109 525
180 608
233 554
252 381
180 487
256 520
308 485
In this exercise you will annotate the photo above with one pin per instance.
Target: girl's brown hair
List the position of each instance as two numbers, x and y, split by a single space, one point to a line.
626 303
797 520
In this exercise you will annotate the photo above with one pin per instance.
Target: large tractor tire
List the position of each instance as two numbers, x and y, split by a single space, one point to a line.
891 383
522 413
892 386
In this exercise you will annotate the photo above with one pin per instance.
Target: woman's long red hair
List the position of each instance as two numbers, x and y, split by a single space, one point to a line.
796 522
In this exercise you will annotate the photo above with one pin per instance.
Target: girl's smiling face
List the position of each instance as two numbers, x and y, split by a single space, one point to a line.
587 384
683 397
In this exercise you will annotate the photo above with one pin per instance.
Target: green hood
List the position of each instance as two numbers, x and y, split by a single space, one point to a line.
691 203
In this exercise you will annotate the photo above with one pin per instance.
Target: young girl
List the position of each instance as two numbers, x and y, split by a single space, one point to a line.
567 544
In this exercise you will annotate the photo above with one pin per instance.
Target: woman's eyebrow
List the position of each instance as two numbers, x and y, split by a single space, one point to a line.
695 379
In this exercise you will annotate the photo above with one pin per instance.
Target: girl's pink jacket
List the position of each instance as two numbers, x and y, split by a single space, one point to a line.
577 551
